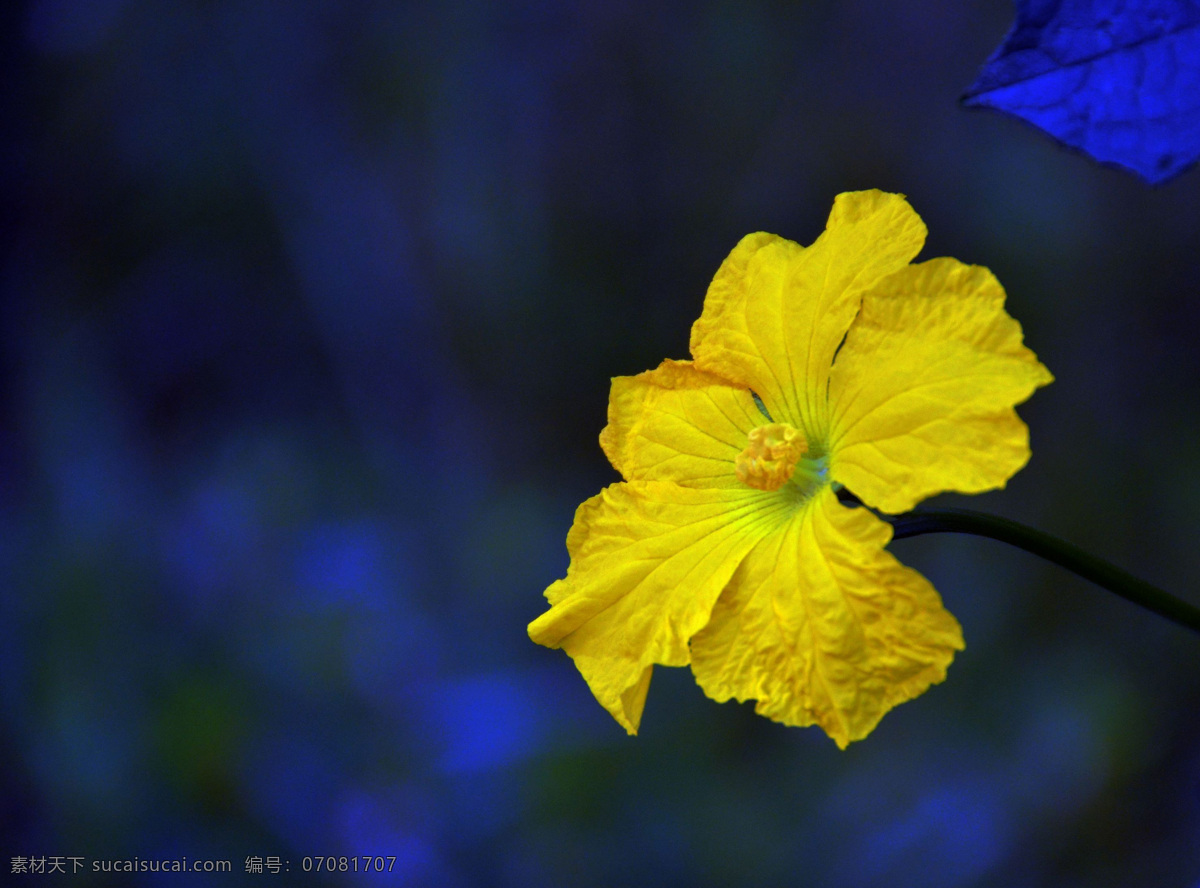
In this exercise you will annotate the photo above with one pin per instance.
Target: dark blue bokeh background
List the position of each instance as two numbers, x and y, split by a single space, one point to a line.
308 314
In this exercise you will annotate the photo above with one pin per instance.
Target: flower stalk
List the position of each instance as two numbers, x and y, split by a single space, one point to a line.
1049 547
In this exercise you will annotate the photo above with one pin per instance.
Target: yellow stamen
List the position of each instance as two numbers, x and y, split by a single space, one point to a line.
770 458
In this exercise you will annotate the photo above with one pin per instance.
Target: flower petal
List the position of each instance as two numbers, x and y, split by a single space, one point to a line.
822 626
776 312
677 423
922 392
648 559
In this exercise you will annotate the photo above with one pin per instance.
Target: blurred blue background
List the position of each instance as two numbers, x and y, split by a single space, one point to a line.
309 314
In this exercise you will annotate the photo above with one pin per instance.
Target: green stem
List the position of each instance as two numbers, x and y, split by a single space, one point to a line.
1051 548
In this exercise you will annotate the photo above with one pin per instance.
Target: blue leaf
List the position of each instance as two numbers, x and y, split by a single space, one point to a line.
1118 80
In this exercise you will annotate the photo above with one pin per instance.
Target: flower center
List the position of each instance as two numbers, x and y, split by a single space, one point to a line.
770 458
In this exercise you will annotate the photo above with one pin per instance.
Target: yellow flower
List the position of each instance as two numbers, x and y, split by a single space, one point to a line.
726 547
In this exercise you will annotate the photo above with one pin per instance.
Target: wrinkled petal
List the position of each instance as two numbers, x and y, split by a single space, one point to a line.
677 423
822 626
648 559
922 392
776 312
